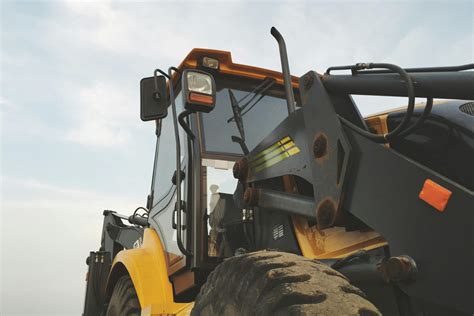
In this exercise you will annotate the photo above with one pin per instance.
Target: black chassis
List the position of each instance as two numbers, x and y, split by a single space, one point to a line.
378 185
116 236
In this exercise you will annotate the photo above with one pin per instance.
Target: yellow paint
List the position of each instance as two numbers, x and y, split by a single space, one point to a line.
147 269
334 242
272 161
293 151
289 145
186 310
256 160
277 152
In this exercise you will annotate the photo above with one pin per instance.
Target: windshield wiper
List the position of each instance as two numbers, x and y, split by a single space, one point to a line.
257 88
236 110
238 121
239 111
259 91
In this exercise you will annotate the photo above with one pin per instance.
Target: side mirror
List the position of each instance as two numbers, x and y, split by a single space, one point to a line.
153 98
199 91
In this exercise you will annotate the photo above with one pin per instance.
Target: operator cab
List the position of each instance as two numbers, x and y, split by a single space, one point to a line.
215 141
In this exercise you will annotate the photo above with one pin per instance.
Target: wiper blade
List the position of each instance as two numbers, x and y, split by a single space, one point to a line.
255 103
237 116
238 121
258 91
238 111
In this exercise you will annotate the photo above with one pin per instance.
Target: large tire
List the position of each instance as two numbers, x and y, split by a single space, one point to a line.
124 299
277 283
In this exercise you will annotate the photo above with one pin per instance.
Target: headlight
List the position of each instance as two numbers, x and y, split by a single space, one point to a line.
199 90
199 82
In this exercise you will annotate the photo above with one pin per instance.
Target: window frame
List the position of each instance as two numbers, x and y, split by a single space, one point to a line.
237 82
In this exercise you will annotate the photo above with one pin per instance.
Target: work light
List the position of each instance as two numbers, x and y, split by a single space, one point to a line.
199 91
210 63
199 82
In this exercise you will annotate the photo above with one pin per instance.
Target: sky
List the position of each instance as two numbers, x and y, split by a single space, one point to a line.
72 143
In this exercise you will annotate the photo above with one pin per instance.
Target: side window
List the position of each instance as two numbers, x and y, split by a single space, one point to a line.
165 166
165 162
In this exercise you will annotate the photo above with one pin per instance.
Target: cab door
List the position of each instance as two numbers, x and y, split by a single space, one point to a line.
163 192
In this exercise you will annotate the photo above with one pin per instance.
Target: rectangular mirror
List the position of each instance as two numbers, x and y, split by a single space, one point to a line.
153 98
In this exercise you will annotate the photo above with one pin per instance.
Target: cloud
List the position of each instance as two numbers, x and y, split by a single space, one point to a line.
100 50
47 233
137 31
104 115
420 41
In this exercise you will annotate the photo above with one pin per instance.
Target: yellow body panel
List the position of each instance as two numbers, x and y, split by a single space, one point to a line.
146 266
334 242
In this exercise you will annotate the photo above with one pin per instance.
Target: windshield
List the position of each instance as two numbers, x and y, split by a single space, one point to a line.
258 122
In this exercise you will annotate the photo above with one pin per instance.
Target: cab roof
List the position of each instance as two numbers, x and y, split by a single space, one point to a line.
227 66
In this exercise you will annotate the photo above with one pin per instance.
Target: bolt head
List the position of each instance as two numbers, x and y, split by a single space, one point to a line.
240 169
401 268
320 146
326 213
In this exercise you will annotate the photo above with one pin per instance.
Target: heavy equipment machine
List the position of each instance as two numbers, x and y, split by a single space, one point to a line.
271 194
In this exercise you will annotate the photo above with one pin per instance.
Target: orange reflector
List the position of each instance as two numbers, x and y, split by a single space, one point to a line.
435 195
201 98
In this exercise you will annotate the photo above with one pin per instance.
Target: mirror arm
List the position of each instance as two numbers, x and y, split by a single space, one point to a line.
157 95
175 69
157 70
185 125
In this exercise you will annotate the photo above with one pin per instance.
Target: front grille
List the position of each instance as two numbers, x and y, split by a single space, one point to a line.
278 232
467 108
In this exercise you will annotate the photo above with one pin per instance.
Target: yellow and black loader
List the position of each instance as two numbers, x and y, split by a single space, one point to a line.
272 195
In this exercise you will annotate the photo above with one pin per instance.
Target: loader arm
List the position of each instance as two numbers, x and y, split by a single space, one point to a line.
403 199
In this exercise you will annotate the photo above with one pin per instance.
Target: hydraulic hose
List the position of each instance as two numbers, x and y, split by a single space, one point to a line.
411 103
420 120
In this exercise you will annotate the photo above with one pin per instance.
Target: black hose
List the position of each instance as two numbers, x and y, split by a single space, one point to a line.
140 208
425 69
411 98
404 133
420 120
411 103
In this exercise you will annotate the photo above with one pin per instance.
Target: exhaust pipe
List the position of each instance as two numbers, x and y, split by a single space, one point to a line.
290 98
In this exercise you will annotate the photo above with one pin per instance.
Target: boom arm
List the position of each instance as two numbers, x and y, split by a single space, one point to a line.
381 187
